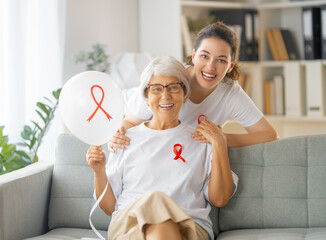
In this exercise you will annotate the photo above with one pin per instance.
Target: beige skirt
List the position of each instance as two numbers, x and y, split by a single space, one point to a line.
153 208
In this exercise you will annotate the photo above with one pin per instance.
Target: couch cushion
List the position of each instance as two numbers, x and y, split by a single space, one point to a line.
281 184
73 187
68 234
275 234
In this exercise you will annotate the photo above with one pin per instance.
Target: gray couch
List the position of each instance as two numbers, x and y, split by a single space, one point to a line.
281 194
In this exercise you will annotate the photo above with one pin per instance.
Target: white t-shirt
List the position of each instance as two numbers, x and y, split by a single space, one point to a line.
227 102
149 164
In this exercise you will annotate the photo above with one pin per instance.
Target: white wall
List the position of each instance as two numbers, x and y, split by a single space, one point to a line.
159 27
110 22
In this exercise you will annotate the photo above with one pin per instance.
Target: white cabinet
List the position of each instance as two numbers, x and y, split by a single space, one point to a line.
302 78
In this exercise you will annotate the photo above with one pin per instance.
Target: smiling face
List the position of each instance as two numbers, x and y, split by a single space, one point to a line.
212 61
166 105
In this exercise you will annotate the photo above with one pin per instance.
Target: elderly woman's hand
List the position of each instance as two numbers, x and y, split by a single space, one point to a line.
119 140
96 159
208 131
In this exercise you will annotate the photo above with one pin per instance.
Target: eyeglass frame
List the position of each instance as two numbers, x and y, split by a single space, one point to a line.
165 86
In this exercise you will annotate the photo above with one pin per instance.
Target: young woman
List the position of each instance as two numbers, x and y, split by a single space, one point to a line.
215 93
160 186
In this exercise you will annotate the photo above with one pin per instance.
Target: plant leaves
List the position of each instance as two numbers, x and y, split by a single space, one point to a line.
56 93
33 142
3 141
43 107
25 135
12 159
22 144
23 154
41 116
28 129
1 131
7 150
48 99
36 125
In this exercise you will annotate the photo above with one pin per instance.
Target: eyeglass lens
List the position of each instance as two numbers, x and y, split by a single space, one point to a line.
158 88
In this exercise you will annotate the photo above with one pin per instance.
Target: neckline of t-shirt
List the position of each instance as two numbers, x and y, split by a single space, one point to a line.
163 132
206 99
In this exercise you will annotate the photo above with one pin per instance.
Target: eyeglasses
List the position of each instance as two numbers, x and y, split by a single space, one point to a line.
159 88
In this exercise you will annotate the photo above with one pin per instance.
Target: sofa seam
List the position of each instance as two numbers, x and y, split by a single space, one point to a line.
307 184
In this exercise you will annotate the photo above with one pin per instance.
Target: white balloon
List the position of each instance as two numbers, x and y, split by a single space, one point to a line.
92 107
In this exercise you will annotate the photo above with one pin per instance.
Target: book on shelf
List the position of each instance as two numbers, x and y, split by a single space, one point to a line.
245 81
237 29
311 32
267 97
247 19
316 88
272 45
290 44
295 93
279 94
323 31
274 103
256 26
272 96
281 44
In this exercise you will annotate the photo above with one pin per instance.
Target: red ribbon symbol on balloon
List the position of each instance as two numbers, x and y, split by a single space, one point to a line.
98 103
201 118
178 152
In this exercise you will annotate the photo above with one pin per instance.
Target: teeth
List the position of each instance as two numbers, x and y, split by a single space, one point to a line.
166 105
208 75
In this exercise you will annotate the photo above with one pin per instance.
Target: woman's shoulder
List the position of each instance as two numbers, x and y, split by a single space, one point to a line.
232 87
230 83
188 128
136 131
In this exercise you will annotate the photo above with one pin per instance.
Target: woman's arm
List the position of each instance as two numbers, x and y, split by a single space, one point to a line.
96 160
119 140
220 186
260 132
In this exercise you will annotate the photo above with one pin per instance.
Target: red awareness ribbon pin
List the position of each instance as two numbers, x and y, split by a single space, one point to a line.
178 153
201 118
98 103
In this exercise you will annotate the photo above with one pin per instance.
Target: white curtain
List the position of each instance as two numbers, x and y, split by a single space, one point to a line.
31 64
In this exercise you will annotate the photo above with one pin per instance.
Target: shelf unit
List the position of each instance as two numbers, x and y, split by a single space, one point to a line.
272 14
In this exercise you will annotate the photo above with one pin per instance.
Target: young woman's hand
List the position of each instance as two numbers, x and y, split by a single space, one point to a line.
119 140
199 137
208 131
95 158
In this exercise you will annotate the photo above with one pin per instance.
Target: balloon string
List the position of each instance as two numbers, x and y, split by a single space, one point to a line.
93 209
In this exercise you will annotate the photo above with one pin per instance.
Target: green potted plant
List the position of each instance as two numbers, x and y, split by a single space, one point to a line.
16 156
97 59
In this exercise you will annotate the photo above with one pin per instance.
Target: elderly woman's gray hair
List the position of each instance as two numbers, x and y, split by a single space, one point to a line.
165 66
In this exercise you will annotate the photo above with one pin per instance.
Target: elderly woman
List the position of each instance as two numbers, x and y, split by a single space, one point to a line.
160 186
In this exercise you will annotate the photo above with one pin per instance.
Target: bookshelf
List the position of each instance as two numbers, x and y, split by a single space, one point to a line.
272 14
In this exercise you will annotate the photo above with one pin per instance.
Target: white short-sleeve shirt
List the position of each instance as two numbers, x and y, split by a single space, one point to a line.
227 102
152 162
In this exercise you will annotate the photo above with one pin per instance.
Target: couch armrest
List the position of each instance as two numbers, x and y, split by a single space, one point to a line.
24 201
